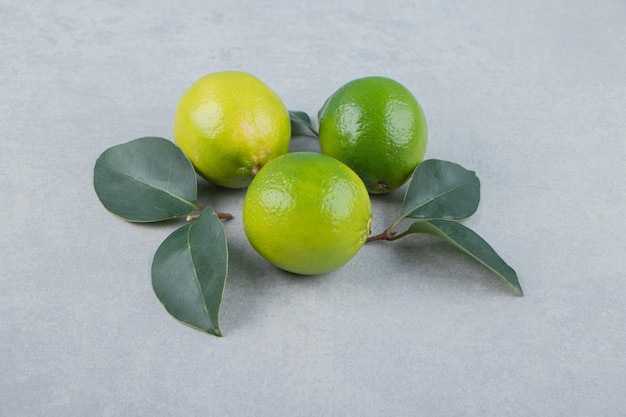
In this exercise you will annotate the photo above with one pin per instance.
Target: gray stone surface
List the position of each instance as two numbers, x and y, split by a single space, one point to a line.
531 95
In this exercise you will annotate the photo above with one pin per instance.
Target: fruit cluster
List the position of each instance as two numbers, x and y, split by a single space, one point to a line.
305 212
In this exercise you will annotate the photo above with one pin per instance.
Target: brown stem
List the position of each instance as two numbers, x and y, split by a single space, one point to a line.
386 235
221 216
224 216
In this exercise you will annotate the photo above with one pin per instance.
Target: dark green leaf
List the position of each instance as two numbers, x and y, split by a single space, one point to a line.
441 190
146 180
189 272
471 243
301 124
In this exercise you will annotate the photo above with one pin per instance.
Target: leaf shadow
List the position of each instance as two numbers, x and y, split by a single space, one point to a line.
218 197
393 197
254 286
439 264
248 293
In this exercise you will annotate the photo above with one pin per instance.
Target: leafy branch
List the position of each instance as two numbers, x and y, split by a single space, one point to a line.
151 180
440 194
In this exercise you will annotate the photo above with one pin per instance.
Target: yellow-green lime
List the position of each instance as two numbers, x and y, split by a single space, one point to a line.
307 213
230 124
377 127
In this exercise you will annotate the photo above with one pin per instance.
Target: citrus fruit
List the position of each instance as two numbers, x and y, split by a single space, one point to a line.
230 124
375 126
307 213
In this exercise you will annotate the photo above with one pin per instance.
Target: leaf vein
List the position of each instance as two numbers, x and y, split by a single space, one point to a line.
165 191
448 191
195 271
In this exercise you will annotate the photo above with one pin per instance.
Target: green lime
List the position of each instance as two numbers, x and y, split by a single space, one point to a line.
230 124
376 127
307 213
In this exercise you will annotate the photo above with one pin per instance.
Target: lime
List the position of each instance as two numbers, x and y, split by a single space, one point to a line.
375 126
230 124
307 213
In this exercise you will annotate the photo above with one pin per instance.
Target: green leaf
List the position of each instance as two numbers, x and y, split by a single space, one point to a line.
471 243
441 190
189 272
146 180
301 124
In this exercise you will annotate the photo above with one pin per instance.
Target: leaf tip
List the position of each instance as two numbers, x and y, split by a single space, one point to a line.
513 281
215 332
515 285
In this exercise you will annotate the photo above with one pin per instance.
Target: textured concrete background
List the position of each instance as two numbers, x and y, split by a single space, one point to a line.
531 95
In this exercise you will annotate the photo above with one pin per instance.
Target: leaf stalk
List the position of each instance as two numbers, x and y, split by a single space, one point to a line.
221 216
